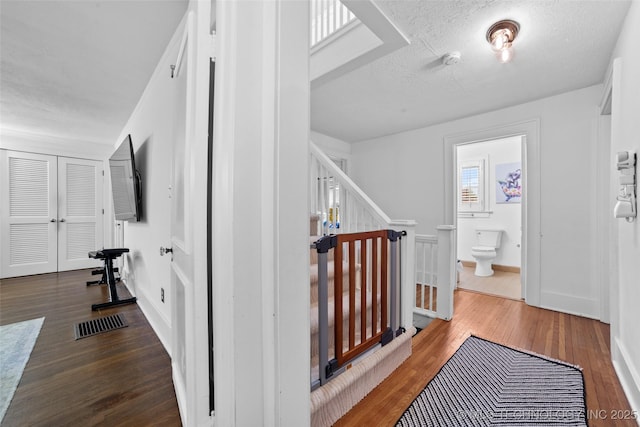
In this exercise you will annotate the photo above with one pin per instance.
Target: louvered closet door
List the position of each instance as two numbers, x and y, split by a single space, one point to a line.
80 218
28 213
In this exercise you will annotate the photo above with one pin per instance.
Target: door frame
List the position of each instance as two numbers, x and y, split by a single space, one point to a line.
531 236
522 141
607 225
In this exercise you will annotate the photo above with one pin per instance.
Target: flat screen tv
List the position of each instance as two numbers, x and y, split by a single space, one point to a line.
125 183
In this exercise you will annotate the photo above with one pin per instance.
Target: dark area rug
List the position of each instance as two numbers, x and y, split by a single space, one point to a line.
488 384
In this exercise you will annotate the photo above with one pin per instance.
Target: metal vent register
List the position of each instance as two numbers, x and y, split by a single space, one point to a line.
100 325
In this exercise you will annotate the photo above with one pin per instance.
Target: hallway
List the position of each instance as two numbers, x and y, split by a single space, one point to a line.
121 377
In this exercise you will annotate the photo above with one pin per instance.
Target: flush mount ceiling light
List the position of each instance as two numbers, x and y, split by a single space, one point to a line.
501 36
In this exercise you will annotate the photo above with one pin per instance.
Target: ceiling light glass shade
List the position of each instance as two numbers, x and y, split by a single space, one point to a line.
498 40
501 36
505 54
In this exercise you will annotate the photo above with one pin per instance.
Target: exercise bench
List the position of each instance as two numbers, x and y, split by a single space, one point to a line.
103 279
108 277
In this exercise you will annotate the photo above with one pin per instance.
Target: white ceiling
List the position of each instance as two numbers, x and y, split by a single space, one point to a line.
76 69
563 45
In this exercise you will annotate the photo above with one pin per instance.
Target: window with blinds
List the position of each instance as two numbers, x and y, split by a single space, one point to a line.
471 186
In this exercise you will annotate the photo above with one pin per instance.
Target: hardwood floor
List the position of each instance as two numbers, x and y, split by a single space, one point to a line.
122 377
576 340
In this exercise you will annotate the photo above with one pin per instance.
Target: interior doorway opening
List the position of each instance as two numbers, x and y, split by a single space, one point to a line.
490 193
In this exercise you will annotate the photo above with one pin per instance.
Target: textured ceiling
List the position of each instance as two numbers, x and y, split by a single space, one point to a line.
563 45
76 69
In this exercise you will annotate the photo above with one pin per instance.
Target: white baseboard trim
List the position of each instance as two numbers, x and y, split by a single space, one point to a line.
627 374
179 387
570 304
160 325
496 267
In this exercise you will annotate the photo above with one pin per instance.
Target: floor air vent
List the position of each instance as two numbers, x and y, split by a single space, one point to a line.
100 325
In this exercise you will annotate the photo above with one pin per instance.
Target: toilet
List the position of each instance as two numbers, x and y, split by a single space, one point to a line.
488 241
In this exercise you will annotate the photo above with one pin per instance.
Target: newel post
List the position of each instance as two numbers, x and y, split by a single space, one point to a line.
446 270
407 270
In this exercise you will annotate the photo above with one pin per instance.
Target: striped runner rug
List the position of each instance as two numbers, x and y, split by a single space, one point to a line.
488 384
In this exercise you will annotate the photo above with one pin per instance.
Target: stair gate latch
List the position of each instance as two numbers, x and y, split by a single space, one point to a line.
393 235
387 337
325 243
331 368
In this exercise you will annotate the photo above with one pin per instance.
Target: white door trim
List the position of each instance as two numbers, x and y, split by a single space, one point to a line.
531 213
606 187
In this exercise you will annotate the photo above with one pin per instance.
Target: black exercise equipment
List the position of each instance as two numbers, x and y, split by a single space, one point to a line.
108 277
103 279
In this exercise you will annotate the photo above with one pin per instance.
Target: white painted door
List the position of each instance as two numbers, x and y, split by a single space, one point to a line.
80 214
50 215
28 213
181 232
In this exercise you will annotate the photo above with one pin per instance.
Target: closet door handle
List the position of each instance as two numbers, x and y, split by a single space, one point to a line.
53 220
63 220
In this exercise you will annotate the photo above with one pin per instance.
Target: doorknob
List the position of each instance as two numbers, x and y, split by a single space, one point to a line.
53 220
62 220
165 250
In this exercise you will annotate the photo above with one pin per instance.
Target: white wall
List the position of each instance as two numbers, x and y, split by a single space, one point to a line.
502 216
404 174
332 147
151 129
625 125
53 145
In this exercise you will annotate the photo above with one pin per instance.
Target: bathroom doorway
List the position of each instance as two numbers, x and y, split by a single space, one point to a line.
489 188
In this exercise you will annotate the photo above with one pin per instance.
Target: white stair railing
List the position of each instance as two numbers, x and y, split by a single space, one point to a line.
435 274
342 207
426 275
327 18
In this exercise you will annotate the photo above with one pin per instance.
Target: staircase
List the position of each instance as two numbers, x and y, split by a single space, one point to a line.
422 283
351 381
339 207
314 280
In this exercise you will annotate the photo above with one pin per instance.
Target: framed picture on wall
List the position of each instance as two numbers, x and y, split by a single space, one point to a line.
509 182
